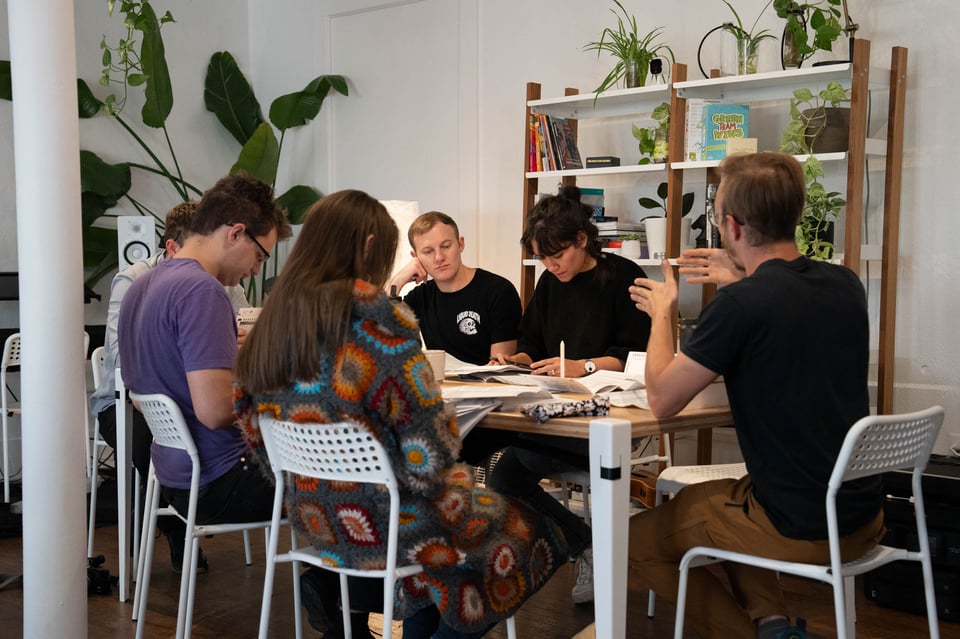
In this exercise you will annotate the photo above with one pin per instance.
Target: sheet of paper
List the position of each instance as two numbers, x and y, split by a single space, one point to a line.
491 391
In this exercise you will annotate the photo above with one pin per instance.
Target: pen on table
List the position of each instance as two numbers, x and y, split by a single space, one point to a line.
563 362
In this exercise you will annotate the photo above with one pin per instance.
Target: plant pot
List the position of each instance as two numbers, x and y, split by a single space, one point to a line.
630 249
828 129
634 74
746 57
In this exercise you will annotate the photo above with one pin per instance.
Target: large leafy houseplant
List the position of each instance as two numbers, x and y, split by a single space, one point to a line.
632 51
822 208
810 26
647 136
138 61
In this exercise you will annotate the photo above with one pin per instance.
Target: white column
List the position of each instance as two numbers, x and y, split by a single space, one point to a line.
46 155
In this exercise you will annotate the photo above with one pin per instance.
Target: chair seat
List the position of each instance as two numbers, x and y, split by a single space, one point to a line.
676 477
874 558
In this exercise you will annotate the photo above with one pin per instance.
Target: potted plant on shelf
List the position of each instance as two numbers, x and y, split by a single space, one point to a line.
804 136
632 51
650 203
748 41
810 27
630 245
654 140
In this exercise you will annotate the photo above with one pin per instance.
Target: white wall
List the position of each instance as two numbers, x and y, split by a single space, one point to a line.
435 115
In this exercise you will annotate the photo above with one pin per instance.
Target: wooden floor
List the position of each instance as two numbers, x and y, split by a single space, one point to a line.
228 602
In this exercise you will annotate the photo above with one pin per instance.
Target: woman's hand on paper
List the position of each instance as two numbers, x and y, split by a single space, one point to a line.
551 367
709 266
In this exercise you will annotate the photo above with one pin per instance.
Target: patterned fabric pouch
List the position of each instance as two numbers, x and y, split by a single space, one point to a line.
595 406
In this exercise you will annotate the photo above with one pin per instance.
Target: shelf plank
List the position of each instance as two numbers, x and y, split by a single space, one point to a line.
607 170
608 104
706 164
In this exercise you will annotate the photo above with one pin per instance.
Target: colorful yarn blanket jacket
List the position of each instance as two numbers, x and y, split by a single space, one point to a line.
483 554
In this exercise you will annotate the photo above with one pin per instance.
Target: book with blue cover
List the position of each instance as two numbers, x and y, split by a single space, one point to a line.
722 122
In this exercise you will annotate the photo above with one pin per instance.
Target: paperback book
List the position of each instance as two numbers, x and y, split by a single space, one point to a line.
722 122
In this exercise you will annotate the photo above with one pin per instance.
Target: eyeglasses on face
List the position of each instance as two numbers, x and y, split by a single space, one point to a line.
264 254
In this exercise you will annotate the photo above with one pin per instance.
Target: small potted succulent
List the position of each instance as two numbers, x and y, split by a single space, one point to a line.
630 245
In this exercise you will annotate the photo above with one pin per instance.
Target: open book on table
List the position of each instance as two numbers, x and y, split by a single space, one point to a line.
598 382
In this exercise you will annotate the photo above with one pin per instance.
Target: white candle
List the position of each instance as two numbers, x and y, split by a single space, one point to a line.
563 364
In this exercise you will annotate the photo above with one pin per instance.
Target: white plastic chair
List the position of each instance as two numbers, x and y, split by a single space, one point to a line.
341 451
97 363
169 429
874 445
11 357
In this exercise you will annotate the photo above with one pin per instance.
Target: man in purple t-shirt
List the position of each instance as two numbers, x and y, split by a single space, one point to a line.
178 337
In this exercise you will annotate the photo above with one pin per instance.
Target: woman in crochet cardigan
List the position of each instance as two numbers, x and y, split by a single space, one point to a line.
331 346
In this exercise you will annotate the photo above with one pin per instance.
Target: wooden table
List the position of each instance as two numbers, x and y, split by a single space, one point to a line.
610 488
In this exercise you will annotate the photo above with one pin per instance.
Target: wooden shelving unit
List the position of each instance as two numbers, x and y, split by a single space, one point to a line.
857 75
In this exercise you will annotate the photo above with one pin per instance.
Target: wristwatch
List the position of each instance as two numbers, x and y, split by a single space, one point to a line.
589 366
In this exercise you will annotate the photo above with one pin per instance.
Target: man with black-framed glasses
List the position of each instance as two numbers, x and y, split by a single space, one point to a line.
178 337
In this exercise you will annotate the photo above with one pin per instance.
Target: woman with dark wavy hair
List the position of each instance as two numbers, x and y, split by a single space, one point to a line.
582 299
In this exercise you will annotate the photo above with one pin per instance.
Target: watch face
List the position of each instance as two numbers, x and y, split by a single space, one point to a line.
589 366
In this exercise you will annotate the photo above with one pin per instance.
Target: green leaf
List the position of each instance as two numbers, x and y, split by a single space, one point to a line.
662 190
87 104
228 95
260 155
649 203
296 109
687 203
159 91
6 84
297 201
100 253
96 176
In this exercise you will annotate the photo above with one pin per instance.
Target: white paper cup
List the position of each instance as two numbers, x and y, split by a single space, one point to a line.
438 362
656 231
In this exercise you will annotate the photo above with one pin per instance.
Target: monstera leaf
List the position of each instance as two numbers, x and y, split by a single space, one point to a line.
228 95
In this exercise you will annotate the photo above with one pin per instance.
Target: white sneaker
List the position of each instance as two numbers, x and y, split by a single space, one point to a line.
583 590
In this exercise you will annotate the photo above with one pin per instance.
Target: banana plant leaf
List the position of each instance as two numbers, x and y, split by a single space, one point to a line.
297 201
228 95
260 155
100 253
159 91
298 108
101 185
6 84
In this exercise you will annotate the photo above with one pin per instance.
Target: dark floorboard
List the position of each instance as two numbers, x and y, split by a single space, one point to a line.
228 602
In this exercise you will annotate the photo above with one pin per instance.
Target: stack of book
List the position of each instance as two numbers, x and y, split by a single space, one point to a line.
553 146
616 228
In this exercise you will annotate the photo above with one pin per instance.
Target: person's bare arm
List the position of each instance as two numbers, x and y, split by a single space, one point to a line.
671 380
412 271
211 391
502 348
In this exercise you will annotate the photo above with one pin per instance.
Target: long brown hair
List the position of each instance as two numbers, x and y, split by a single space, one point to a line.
308 310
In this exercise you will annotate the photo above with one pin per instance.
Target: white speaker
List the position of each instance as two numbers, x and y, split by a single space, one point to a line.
136 238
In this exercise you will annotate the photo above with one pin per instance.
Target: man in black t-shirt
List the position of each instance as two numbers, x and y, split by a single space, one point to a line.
468 312
791 338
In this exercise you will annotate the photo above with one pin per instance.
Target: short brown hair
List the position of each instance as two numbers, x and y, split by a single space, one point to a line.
240 199
176 226
427 221
766 192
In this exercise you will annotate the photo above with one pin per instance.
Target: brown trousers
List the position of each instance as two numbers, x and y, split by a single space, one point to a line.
713 514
